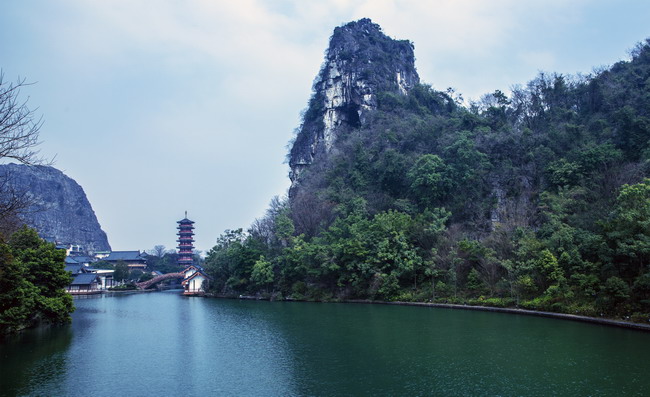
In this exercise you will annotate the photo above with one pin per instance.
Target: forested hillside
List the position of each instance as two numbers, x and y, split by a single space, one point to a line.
539 198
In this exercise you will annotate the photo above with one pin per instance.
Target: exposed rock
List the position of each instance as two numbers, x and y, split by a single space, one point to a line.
360 63
59 211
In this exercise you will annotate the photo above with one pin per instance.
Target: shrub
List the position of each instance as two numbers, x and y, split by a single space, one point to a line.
405 296
582 309
124 287
539 303
492 302
643 318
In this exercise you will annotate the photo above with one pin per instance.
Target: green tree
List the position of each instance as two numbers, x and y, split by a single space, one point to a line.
46 271
615 293
121 271
136 275
231 261
262 275
548 266
146 277
474 282
32 282
284 228
428 180
641 290
629 229
17 295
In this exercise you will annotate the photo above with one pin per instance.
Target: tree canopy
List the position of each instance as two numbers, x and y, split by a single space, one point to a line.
32 283
537 199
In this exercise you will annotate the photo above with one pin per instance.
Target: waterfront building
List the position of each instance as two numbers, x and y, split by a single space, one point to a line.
103 280
194 281
84 283
104 277
185 242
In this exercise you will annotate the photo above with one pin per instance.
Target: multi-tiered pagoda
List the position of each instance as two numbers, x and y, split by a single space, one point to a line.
185 242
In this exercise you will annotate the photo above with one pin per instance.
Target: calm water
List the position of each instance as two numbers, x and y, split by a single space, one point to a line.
166 344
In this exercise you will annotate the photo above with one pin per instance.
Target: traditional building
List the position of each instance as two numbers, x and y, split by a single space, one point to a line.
185 242
194 281
84 283
194 278
135 259
105 277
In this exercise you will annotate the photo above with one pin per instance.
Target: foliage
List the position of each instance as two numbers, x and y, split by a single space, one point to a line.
124 287
539 199
163 260
121 272
262 274
629 228
32 283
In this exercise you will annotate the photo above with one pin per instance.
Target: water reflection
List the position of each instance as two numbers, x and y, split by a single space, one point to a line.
166 344
35 360
387 350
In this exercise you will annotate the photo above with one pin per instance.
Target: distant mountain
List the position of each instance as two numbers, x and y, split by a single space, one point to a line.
59 210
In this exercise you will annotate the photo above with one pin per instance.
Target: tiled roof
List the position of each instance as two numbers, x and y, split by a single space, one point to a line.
83 258
84 279
125 256
74 268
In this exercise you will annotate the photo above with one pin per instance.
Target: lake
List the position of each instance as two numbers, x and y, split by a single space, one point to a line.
162 343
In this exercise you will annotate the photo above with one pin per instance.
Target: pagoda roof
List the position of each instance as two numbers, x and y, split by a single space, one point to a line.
185 220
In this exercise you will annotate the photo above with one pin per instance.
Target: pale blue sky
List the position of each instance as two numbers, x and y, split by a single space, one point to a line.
161 106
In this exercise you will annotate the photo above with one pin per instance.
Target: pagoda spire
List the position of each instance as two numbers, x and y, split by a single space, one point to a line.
185 242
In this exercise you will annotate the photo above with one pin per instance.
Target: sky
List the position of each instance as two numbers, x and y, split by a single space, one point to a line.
157 107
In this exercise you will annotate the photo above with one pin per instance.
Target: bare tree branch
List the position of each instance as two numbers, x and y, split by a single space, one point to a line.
19 136
19 126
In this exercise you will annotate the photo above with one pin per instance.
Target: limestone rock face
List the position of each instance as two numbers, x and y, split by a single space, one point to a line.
361 62
60 211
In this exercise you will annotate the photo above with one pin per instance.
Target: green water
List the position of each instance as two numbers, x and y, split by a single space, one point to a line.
166 344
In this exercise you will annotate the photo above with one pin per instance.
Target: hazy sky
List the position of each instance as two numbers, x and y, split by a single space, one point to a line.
161 106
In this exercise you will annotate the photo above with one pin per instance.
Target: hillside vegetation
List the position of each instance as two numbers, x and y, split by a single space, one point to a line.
538 199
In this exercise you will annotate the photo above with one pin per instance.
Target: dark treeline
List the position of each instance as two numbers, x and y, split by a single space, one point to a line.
539 199
32 282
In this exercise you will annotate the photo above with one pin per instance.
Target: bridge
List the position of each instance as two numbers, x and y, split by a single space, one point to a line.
157 279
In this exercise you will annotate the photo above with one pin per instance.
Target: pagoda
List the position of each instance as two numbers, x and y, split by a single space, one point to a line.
185 242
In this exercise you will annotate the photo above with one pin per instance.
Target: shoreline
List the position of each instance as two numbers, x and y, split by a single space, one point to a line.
526 312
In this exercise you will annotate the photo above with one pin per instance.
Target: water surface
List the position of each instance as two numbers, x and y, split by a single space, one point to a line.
165 344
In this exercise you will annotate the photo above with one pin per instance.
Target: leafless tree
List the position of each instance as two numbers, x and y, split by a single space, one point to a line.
310 213
264 228
19 134
19 126
159 251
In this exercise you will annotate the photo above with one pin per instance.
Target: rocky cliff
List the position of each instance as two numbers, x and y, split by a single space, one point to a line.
59 210
361 62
